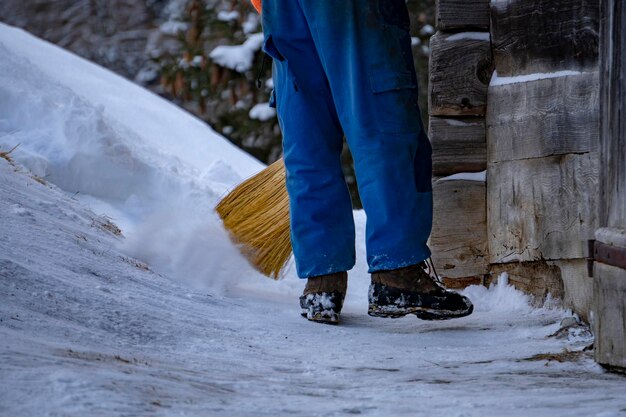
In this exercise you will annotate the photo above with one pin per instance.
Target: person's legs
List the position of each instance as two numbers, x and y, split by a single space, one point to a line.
365 51
322 225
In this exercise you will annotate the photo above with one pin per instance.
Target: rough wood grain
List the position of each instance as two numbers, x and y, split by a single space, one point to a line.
552 116
458 145
541 208
459 237
462 14
609 302
613 117
531 36
460 70
609 281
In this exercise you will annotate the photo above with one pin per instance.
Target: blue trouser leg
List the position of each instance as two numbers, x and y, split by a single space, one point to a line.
322 226
364 67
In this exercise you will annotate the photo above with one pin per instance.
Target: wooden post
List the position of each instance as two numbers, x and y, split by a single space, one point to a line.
609 303
460 70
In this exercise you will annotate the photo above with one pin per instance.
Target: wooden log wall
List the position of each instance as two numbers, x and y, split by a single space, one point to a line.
542 138
514 90
460 70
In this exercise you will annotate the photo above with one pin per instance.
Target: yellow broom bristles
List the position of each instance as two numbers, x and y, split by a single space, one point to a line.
256 213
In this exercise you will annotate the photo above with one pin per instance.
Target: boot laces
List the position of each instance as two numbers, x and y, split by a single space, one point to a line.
432 272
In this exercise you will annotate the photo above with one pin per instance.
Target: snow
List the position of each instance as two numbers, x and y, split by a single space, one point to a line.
469 176
251 23
172 27
477 36
454 122
262 112
227 16
427 30
238 57
496 80
415 41
169 319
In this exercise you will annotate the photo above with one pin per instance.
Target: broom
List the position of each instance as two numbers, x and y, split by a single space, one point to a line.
256 213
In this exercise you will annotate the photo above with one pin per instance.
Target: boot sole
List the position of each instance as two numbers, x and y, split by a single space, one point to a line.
325 317
422 313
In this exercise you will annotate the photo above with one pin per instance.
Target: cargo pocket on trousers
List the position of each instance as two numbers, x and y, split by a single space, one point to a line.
394 100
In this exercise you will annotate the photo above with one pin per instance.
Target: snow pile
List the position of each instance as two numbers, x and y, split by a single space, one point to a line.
238 57
499 297
262 112
155 169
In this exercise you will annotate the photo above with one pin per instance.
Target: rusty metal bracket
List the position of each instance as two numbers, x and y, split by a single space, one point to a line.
606 254
590 257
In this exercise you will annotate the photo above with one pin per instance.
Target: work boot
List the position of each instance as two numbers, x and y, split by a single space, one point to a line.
412 290
323 297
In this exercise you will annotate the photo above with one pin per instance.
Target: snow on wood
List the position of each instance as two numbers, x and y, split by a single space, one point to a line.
546 116
497 80
477 36
467 176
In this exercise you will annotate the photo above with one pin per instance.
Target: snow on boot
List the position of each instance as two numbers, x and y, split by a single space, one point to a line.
412 290
323 297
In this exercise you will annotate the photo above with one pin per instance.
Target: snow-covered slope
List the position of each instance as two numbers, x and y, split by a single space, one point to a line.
88 329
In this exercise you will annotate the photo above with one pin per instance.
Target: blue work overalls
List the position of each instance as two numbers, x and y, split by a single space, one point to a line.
346 67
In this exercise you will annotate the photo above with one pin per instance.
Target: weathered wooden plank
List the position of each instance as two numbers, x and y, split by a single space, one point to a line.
459 237
610 315
462 14
460 70
613 119
459 145
532 36
610 281
541 208
551 116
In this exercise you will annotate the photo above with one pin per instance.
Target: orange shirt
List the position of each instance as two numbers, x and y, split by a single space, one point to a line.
257 5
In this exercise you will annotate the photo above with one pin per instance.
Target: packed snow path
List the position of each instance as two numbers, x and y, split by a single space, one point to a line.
85 330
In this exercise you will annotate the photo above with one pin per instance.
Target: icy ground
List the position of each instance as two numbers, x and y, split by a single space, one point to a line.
168 319
86 330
